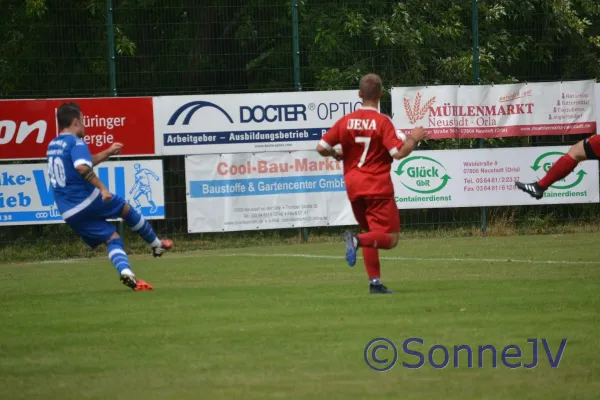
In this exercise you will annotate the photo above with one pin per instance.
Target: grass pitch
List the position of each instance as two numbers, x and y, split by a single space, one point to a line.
276 323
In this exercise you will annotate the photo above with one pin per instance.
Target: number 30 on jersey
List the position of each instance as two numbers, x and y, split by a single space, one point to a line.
56 171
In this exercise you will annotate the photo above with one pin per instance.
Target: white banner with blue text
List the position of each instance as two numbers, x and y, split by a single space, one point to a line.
486 177
27 198
247 123
238 192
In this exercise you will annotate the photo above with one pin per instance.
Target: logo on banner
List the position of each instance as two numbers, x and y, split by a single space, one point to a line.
415 112
142 188
545 161
423 175
191 109
8 129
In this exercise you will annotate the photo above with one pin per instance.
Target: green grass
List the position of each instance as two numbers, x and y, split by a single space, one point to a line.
224 326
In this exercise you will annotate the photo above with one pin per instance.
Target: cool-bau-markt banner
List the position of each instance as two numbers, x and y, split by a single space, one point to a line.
26 195
488 111
246 123
486 177
236 192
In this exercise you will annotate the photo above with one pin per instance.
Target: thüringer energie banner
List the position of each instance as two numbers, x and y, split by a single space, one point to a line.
27 197
486 177
488 111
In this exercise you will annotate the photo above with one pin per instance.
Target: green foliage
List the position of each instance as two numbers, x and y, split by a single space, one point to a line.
235 45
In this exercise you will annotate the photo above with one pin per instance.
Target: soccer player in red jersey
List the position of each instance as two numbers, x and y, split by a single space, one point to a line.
588 149
369 144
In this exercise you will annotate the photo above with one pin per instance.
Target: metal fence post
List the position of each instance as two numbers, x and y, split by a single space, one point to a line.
112 73
476 80
297 83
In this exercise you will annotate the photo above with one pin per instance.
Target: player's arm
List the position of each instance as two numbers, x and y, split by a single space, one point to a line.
83 163
410 143
397 147
114 149
88 174
330 139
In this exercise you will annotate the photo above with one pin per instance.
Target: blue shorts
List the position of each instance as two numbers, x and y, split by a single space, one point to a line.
91 223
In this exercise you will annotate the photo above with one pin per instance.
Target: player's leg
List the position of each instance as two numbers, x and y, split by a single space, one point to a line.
139 225
383 218
587 149
94 231
384 225
359 209
372 238
118 256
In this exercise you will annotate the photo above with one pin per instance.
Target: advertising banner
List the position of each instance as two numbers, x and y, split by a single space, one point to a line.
597 107
27 126
491 111
237 192
26 196
486 177
247 123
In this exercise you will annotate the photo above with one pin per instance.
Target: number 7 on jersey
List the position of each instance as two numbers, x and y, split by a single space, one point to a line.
367 141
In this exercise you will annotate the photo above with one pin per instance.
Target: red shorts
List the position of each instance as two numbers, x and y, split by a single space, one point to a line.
592 147
377 215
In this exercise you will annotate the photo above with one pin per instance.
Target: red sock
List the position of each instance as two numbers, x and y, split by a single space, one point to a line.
371 257
563 167
377 240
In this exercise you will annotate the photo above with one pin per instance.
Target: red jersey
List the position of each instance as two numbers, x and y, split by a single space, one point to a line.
368 141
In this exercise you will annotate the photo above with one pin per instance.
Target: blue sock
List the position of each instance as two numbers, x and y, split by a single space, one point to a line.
139 225
117 255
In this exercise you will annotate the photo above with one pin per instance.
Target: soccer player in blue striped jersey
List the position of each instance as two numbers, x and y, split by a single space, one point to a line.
84 201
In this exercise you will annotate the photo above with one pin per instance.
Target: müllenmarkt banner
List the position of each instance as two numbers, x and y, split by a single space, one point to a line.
491 111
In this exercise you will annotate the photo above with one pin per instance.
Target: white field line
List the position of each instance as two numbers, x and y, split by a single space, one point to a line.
214 254
490 260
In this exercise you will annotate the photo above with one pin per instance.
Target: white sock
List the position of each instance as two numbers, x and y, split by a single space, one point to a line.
127 272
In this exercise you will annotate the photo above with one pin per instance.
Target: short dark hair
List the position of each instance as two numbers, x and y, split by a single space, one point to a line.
66 113
370 85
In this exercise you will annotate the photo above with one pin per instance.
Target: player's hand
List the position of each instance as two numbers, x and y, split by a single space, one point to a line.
106 196
339 155
115 148
418 133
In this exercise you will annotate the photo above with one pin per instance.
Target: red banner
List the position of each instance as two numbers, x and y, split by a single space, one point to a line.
27 126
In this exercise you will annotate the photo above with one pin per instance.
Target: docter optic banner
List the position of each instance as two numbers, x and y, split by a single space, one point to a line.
486 177
485 111
26 196
27 126
236 192
246 123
